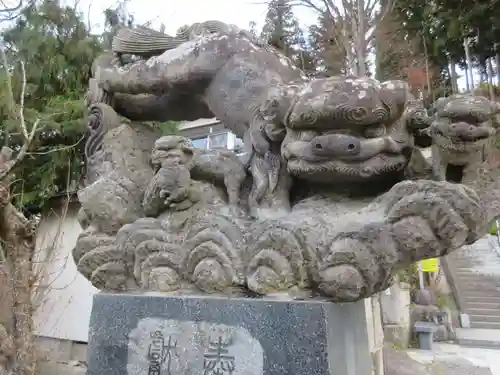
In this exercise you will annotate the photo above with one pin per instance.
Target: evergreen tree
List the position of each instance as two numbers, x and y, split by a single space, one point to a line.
57 50
281 28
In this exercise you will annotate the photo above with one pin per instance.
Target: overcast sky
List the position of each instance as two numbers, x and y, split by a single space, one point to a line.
176 13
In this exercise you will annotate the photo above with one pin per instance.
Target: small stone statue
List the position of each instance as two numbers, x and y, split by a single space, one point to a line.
323 207
222 166
426 310
462 134
170 188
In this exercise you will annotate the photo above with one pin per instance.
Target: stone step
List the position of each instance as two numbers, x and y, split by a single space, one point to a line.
474 275
55 368
466 265
461 267
474 298
473 287
479 292
473 266
483 304
478 298
485 325
484 318
481 311
475 302
465 272
480 283
462 282
470 296
482 338
478 277
474 272
471 274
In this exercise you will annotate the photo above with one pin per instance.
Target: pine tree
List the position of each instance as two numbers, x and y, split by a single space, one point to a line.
281 28
57 50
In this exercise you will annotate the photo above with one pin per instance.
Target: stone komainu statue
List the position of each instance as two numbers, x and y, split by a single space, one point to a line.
316 204
462 135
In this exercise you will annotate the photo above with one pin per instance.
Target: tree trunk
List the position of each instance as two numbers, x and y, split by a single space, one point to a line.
469 62
427 72
467 84
497 60
360 43
489 66
453 76
350 62
18 236
483 75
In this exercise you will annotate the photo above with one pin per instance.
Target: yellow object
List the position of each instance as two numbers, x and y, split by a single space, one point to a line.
430 265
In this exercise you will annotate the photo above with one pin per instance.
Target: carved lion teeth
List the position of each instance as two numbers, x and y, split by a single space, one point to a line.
366 171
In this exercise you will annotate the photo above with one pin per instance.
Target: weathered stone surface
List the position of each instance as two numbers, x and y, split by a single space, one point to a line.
118 170
395 303
398 335
62 368
192 346
398 362
316 206
462 134
141 334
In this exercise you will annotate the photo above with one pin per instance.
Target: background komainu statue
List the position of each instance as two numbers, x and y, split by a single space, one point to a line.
462 135
315 205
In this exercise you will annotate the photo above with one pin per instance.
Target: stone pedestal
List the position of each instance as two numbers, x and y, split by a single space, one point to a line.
395 303
138 334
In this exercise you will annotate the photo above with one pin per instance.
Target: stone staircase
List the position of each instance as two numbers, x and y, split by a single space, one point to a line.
474 276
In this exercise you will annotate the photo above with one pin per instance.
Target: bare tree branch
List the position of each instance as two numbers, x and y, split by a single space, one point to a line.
7 9
335 17
27 137
384 12
17 234
22 123
10 12
354 25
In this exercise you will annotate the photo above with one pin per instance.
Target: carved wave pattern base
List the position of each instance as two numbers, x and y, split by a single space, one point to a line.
223 254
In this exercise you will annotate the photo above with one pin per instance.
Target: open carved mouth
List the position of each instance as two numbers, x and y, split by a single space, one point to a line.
454 173
458 144
323 170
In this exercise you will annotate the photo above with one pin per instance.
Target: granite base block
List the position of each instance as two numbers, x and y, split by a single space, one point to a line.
153 334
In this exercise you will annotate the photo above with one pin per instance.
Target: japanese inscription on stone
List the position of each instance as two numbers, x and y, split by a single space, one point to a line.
161 352
217 360
173 347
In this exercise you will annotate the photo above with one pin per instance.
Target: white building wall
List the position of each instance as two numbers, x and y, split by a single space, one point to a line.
64 300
